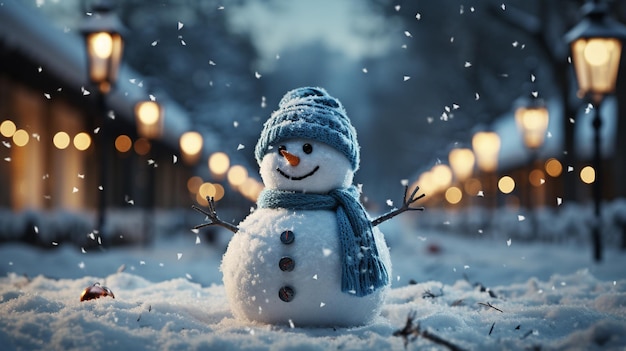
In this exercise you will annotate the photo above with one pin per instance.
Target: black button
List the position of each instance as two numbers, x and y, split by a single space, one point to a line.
286 293
287 237
286 264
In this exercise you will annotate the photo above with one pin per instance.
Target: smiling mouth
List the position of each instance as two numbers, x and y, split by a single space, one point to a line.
300 177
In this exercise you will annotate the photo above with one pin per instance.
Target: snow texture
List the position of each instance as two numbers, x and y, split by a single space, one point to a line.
544 296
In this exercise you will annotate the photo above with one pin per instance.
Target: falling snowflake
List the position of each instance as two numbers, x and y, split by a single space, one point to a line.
240 147
520 218
508 242
570 169
81 176
84 91
179 255
559 201
503 7
46 95
404 182
405 78
407 34
467 64
74 190
212 63
154 43
39 69
257 75
364 70
476 96
180 25
397 8
418 16
389 202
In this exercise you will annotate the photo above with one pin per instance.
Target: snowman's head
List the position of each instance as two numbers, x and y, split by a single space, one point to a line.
305 165
308 116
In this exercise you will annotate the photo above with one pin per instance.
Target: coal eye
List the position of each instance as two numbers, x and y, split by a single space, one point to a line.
307 148
281 148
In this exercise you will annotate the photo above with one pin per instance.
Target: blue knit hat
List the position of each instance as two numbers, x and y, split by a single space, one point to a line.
310 113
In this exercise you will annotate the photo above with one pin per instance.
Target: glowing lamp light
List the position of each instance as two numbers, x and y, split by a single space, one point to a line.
442 176
462 163
149 116
454 195
61 140
82 141
596 47
553 167
588 175
103 39
486 147
532 120
237 175
506 185
123 143
20 137
191 146
219 163
142 146
7 128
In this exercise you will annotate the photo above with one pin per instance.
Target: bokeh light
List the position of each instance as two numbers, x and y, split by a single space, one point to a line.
537 177
454 195
7 128
20 137
123 143
237 175
219 163
142 146
554 168
82 141
588 175
506 184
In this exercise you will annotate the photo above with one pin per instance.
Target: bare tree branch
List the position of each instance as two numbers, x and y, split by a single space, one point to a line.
406 206
212 215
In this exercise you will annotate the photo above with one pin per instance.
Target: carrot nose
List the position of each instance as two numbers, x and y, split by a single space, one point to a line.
291 158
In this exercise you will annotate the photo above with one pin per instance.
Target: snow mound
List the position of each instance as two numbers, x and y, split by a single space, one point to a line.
564 312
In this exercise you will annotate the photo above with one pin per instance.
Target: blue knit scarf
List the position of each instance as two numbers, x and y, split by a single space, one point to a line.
362 269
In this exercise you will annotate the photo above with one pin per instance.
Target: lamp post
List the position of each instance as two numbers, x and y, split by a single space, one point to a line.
191 146
486 147
531 117
596 45
462 163
103 39
149 117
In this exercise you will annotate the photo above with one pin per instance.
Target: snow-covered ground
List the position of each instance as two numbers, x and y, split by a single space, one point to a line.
476 293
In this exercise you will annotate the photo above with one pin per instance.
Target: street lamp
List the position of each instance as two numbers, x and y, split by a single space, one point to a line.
596 45
149 116
191 146
531 117
486 147
102 31
103 38
462 163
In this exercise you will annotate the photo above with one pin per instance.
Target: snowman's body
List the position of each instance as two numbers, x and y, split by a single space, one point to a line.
253 277
284 266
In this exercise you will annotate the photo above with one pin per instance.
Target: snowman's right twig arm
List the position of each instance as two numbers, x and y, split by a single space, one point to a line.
406 206
212 215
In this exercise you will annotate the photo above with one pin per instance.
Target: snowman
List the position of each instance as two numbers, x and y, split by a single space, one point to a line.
309 254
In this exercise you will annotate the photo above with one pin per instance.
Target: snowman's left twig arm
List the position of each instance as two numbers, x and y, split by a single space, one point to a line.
406 206
212 215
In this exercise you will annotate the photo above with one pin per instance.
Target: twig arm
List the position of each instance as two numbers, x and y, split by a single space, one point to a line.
406 206
212 216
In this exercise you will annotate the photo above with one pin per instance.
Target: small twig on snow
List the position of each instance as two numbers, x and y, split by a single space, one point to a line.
411 332
490 306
